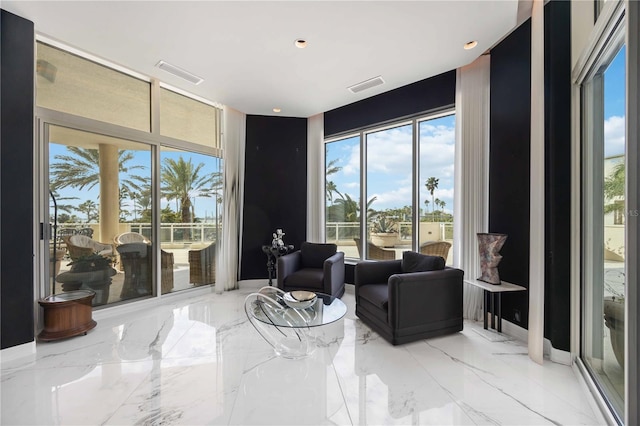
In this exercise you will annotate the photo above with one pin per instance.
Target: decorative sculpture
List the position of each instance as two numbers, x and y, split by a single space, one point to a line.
277 241
489 245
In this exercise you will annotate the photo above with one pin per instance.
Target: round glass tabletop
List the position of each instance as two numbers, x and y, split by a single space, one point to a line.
268 306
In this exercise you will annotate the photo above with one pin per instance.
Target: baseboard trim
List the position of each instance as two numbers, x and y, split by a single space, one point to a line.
515 331
522 334
557 355
17 352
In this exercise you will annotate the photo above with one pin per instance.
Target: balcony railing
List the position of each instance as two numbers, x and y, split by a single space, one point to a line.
340 232
172 233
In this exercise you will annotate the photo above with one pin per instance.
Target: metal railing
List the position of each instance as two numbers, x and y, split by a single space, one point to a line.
344 231
169 232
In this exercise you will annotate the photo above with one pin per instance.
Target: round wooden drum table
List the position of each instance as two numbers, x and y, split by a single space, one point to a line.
67 314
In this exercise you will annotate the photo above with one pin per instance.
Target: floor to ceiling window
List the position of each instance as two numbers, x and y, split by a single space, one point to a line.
389 186
342 194
603 222
104 163
406 170
437 141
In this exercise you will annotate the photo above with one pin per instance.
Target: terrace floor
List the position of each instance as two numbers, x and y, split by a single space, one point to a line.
198 360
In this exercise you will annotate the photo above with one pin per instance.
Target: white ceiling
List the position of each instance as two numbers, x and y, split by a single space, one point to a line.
245 50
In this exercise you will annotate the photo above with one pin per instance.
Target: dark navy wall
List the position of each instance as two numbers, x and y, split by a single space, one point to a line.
510 135
509 168
557 48
430 94
275 188
16 181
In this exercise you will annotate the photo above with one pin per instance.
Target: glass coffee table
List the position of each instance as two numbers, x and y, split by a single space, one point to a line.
290 331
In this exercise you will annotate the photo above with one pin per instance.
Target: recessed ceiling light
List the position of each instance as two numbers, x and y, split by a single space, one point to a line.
300 43
470 45
277 110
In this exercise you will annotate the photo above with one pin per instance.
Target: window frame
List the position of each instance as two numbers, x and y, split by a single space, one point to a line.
44 117
362 133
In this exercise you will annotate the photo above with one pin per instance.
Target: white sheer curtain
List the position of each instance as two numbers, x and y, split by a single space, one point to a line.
471 200
315 176
536 221
228 253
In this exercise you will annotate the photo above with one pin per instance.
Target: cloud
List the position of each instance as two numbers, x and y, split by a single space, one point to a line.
390 162
352 166
614 136
390 151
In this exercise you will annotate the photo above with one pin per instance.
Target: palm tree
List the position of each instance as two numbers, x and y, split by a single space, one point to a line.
67 208
181 181
432 184
90 208
614 185
614 188
346 209
82 169
440 205
331 186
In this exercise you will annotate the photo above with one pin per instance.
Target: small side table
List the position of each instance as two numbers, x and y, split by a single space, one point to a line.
66 314
493 294
273 253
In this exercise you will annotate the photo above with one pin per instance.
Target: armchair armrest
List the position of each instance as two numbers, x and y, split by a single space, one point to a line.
333 271
288 264
434 295
375 272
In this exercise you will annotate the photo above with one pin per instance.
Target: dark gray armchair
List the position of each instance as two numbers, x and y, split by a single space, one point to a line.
404 306
315 267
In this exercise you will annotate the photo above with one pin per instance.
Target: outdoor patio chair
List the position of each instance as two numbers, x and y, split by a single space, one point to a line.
136 264
375 252
436 248
202 265
81 245
131 237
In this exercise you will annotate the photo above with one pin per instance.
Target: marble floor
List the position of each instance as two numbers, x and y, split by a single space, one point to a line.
199 361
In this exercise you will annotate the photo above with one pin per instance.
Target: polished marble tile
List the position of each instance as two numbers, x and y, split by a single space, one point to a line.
199 361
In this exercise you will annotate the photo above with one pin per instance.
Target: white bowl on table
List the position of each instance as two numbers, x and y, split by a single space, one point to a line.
299 299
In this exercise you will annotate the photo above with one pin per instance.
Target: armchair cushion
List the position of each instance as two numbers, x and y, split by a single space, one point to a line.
376 294
416 262
306 278
314 254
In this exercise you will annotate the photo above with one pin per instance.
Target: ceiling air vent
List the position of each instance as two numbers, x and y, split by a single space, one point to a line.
179 72
367 84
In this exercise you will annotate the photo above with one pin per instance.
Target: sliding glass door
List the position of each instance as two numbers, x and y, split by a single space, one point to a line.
99 192
603 221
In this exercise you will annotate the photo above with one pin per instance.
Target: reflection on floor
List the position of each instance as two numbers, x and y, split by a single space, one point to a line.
198 361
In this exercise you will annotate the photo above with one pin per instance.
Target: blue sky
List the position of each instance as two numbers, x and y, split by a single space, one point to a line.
203 206
614 106
389 154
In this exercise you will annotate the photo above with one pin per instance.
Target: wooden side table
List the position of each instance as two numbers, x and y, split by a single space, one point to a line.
67 314
491 293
